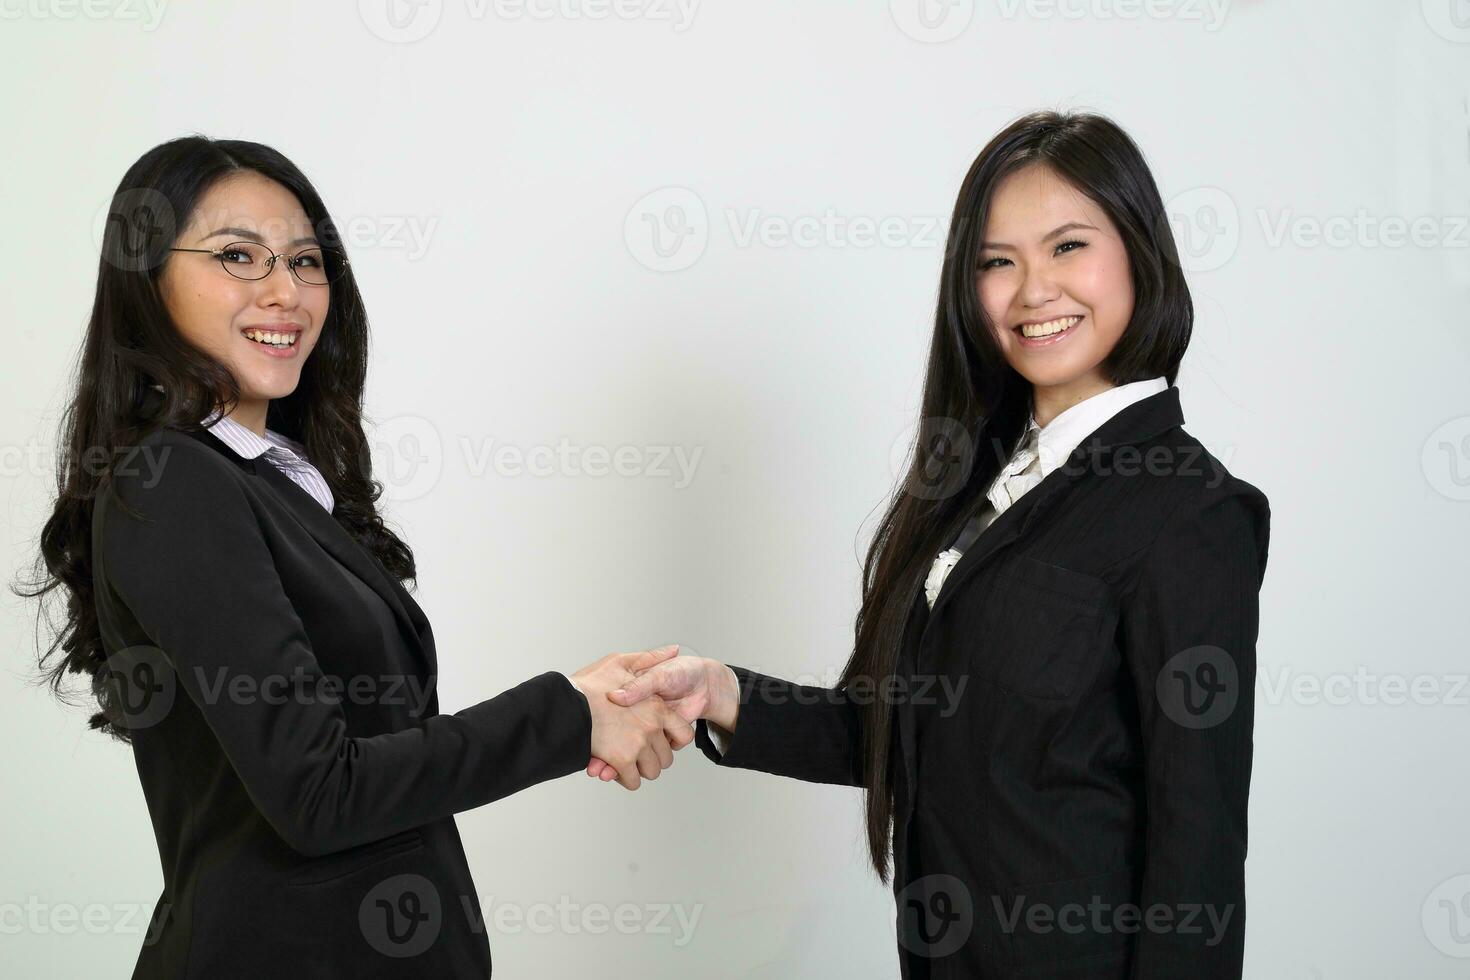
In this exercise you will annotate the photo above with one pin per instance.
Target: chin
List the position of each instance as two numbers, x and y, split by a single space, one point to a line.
274 389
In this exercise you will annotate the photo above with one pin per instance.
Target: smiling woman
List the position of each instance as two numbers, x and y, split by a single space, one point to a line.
1054 591
239 604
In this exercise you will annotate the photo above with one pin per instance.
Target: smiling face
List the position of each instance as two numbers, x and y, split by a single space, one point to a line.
1053 277
218 313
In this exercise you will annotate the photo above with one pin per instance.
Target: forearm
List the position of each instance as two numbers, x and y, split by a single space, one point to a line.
808 733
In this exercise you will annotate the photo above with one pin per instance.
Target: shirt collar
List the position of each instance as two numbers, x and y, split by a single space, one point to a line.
243 440
1061 435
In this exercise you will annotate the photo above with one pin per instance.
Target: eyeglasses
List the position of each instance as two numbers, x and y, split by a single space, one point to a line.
313 266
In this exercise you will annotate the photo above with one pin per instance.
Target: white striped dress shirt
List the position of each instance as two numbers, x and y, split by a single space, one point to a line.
285 454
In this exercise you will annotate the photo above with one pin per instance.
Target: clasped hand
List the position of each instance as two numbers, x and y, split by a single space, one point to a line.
631 741
677 690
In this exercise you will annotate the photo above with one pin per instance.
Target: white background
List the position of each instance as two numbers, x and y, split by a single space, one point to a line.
497 162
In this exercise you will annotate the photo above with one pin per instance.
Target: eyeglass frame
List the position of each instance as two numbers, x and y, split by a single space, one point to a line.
270 262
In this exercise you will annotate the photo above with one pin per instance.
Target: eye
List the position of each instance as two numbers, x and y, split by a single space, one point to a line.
994 263
236 255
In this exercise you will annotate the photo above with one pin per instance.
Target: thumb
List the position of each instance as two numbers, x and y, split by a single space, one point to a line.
635 690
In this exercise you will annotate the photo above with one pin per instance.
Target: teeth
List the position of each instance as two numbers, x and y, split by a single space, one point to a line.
1049 327
278 339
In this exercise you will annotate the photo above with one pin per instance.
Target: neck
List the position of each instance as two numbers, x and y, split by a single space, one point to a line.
251 414
1049 401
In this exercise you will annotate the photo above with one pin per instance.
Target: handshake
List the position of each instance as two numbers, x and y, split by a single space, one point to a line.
644 706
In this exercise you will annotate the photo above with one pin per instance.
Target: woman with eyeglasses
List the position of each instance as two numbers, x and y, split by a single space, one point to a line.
1049 700
236 599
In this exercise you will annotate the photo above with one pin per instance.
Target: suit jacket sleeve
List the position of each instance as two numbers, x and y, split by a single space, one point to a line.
1190 625
197 574
796 730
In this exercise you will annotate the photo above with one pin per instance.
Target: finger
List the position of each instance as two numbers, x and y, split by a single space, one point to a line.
648 766
649 658
628 776
595 767
678 731
662 750
608 774
635 690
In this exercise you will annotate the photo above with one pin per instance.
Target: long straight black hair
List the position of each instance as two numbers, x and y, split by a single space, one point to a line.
131 343
975 405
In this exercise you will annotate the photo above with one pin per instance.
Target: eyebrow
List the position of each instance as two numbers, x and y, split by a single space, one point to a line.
1059 230
252 236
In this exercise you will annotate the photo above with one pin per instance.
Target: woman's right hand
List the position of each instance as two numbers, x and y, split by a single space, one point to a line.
692 687
636 740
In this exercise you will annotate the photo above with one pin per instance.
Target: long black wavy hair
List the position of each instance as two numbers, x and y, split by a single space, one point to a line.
131 344
975 405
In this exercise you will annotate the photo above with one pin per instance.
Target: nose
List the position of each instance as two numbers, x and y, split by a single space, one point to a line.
1037 287
279 285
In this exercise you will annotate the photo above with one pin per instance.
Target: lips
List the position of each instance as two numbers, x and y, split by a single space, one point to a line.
1066 323
1049 321
286 329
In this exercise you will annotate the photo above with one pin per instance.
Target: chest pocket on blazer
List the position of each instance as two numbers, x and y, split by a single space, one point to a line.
1044 621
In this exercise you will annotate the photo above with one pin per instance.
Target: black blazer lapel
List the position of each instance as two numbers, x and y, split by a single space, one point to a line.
335 540
1136 423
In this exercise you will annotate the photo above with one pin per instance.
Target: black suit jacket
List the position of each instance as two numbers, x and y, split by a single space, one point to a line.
1073 728
304 824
